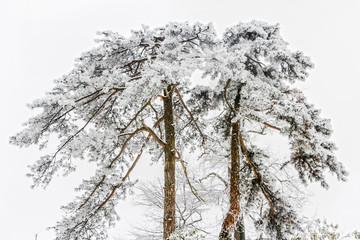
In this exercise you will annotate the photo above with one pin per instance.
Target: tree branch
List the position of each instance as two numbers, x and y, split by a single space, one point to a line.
91 118
225 97
264 123
123 179
137 114
257 176
190 114
252 59
153 134
92 192
124 145
193 190
216 175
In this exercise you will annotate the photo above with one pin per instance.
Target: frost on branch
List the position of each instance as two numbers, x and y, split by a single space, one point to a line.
111 108
106 110
255 71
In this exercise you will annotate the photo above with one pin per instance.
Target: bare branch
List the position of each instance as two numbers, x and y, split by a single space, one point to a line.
91 94
51 120
157 118
123 179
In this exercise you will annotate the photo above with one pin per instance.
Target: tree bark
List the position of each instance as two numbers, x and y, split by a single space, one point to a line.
233 213
240 228
232 216
169 168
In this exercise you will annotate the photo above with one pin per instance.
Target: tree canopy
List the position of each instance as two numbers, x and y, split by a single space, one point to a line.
131 95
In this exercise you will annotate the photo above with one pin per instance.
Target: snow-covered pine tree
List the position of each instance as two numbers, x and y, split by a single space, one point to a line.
118 101
256 73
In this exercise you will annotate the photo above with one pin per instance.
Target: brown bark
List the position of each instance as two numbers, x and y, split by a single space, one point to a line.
233 213
169 168
239 233
232 216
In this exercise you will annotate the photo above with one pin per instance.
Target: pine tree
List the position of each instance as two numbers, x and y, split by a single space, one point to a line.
118 101
124 97
255 73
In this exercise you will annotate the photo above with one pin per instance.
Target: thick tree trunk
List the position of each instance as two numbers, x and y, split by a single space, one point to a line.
232 217
169 168
233 214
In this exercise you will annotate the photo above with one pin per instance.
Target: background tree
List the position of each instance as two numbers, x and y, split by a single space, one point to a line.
189 209
118 100
322 230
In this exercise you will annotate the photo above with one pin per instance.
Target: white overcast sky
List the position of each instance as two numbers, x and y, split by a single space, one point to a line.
41 38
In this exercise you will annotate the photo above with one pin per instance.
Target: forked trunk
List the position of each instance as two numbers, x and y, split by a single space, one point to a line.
169 168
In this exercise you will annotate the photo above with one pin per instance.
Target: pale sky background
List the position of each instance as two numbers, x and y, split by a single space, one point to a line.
40 40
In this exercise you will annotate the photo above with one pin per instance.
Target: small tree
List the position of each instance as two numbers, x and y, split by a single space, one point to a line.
119 99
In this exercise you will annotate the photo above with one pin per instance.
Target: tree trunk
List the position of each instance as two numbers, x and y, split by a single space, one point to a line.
240 228
233 213
169 168
232 216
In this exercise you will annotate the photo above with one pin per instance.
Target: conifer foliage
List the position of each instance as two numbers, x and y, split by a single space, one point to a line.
125 97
